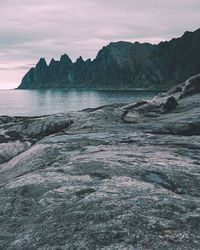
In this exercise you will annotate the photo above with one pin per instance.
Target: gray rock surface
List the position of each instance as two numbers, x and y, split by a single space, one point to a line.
91 180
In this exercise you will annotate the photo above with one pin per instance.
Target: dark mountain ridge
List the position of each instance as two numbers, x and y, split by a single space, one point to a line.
173 61
115 65
122 65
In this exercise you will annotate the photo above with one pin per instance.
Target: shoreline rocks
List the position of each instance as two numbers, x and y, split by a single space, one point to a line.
115 177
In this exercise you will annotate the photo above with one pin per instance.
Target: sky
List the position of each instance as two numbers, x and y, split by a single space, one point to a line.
31 29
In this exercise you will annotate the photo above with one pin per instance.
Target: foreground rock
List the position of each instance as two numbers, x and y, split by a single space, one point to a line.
114 177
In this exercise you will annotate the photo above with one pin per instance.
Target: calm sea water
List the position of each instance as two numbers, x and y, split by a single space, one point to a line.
41 102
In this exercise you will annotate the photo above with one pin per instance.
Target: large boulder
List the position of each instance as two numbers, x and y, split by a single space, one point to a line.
192 86
139 110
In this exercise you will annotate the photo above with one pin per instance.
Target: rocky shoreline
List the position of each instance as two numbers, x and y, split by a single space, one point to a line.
121 176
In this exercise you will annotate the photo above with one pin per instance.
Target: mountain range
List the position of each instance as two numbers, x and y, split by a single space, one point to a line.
122 65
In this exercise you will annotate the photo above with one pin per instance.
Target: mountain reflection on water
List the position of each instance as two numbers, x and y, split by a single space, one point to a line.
44 102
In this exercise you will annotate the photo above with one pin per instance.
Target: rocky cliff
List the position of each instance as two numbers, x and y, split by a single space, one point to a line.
122 65
115 66
121 176
173 62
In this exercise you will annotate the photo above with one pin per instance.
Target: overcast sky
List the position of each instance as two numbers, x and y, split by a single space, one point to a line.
30 29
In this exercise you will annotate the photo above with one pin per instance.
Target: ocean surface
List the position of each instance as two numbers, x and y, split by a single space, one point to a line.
43 102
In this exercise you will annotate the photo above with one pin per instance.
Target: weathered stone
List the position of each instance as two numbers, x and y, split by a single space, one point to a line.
100 182
170 105
192 86
137 111
174 90
10 149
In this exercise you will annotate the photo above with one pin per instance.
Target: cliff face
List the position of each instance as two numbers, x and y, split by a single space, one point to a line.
173 62
43 75
115 66
122 65
119 64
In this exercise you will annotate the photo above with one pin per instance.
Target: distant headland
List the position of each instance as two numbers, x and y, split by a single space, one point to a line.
122 65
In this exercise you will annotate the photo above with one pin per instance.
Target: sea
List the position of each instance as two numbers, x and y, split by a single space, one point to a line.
45 102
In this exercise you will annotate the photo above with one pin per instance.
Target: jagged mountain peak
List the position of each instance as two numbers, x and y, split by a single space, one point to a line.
41 62
79 60
191 32
53 61
123 64
65 59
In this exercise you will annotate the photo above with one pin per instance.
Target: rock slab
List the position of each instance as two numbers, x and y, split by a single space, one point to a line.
92 180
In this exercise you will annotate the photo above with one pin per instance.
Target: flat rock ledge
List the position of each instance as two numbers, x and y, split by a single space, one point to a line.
121 176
